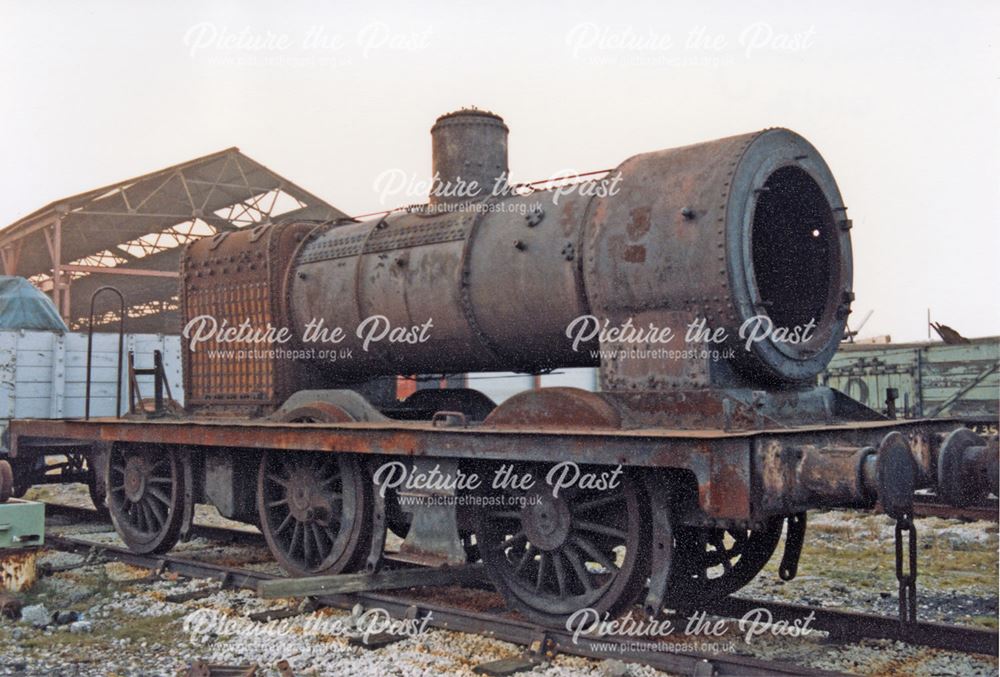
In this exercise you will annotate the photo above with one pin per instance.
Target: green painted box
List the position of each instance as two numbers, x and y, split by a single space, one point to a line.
22 524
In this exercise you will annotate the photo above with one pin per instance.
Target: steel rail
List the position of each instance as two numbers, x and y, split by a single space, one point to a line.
459 620
841 624
932 507
854 625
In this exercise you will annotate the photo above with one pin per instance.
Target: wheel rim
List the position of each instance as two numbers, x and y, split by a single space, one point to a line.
145 498
556 555
96 489
313 511
6 481
714 563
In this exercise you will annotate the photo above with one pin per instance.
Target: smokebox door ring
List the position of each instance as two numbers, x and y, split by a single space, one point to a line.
768 153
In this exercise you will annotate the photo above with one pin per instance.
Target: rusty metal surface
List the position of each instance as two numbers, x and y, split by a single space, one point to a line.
235 277
725 466
468 146
677 243
494 285
838 467
555 407
931 506
445 268
18 569
967 467
352 436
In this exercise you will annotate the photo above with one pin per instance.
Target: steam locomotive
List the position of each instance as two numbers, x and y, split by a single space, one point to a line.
709 284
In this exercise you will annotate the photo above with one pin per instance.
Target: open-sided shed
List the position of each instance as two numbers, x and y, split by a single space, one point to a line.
133 230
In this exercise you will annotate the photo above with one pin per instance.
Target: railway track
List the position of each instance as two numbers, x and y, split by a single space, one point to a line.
543 640
844 626
930 506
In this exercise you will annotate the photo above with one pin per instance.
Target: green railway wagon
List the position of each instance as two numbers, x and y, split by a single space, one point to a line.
922 379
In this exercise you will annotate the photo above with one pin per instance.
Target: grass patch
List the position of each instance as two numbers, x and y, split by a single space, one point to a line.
147 628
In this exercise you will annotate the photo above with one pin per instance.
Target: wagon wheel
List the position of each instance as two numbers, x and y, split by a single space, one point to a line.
556 555
315 511
6 481
714 563
146 497
97 496
98 490
27 472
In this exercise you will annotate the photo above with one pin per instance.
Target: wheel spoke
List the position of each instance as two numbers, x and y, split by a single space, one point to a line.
540 576
506 514
560 570
600 529
579 569
132 515
587 506
159 513
280 501
279 480
296 535
306 543
317 538
529 554
594 553
159 495
284 524
152 522
144 515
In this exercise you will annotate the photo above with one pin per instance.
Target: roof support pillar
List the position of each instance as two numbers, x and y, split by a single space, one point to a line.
60 292
10 255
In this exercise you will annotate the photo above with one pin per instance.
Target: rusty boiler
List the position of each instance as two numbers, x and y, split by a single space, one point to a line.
726 230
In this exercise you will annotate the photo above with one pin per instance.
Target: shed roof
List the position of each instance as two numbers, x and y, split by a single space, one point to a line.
136 227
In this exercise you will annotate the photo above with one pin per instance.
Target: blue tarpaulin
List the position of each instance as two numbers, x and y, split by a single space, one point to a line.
24 306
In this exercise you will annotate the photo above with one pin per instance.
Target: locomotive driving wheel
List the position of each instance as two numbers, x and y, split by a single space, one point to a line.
146 497
712 563
315 511
556 555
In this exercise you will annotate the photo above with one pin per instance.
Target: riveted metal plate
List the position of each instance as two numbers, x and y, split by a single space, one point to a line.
399 234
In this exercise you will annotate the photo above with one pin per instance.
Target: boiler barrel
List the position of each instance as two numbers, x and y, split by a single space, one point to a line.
745 227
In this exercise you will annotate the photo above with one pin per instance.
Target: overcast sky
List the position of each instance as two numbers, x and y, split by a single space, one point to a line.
901 98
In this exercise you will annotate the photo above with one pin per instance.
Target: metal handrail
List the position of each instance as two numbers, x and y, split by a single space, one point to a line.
121 345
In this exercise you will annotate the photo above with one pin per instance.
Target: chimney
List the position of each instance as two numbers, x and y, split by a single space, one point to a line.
468 145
